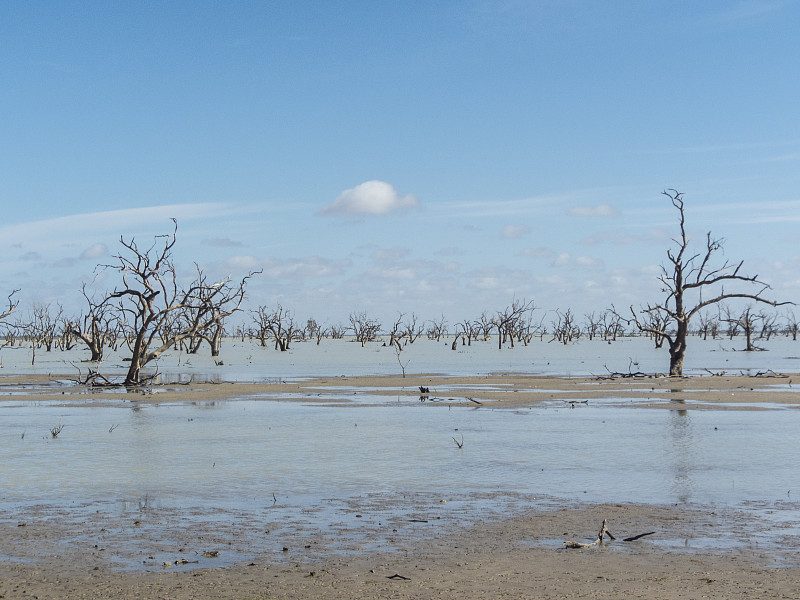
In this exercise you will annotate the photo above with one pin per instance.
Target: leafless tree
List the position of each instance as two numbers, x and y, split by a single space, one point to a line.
338 331
437 329
791 325
316 331
9 330
747 321
412 329
593 323
149 295
611 325
364 328
397 332
468 330
96 327
12 305
565 329
278 324
506 321
484 325
42 327
769 322
688 274
709 324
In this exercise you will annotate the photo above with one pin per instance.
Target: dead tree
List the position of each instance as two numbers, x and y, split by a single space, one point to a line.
42 328
316 331
709 324
768 324
12 305
338 331
687 274
506 321
277 323
484 325
747 322
412 330
397 333
565 329
791 325
10 330
149 295
364 329
437 329
96 327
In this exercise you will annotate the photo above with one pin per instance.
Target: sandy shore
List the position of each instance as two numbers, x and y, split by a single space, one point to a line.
514 556
500 390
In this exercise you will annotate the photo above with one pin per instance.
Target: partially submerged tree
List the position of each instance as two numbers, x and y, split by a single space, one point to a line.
364 328
693 282
97 327
150 296
277 323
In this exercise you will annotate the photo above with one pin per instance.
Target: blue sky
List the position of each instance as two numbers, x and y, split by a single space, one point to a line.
427 157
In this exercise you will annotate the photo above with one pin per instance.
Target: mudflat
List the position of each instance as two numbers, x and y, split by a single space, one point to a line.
515 556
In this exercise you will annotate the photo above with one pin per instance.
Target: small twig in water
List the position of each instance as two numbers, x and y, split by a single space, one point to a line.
459 444
54 431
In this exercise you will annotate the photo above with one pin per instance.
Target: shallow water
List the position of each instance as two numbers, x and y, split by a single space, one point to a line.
241 452
246 361
303 463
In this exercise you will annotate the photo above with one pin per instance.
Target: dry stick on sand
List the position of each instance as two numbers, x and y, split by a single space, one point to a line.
604 532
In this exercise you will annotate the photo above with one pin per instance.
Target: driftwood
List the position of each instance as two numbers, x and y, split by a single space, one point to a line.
603 533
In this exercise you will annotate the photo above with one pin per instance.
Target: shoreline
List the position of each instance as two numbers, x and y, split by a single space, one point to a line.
496 390
518 556
696 550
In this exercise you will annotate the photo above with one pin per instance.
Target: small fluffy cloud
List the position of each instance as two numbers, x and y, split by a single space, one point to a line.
512 232
371 198
601 210
95 251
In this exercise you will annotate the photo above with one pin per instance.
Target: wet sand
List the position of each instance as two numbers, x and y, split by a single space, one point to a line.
521 555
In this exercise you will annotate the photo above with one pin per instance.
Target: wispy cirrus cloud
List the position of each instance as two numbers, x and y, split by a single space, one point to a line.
72 226
600 210
308 267
751 10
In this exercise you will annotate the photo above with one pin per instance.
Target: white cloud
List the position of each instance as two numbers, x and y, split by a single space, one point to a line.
512 232
562 260
390 254
538 252
95 251
372 198
601 210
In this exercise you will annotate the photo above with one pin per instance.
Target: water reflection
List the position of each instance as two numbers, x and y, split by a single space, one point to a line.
682 453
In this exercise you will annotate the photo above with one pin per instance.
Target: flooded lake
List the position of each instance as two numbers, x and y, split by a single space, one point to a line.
303 462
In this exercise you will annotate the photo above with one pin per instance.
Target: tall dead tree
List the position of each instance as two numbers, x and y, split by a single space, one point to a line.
692 282
149 296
